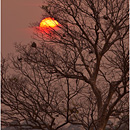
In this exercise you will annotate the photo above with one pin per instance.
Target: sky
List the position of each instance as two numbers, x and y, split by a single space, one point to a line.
16 18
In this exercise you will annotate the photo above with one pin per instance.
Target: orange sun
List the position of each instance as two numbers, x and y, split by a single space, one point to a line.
48 22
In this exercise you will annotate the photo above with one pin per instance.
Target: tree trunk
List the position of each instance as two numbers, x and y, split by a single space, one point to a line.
102 123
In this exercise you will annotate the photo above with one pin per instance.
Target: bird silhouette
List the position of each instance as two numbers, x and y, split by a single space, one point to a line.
57 115
73 110
34 45
19 59
64 35
90 51
105 17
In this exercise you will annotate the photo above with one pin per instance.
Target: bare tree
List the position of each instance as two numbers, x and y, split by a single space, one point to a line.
77 73
33 98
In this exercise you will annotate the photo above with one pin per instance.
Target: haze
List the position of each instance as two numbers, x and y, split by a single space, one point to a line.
16 17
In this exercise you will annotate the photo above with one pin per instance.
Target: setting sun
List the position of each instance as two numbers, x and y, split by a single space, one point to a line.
48 22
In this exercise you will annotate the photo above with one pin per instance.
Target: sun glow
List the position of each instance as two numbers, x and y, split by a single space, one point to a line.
48 22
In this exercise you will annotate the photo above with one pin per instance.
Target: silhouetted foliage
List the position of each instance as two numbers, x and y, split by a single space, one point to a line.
34 45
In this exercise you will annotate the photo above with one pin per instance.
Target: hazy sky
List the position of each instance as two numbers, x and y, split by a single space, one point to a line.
16 17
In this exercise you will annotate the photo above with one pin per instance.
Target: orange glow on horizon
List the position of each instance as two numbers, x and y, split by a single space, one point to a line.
48 22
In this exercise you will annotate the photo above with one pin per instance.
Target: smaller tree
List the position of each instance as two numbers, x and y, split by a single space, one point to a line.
35 99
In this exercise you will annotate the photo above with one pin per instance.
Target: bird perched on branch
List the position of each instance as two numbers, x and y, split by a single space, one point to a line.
74 110
90 51
64 35
34 45
19 59
105 17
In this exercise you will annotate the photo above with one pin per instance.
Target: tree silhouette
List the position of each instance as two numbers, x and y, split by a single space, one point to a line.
77 74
